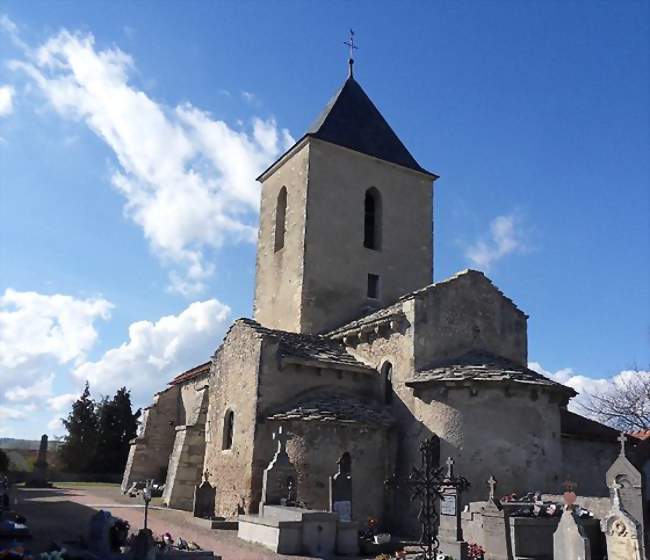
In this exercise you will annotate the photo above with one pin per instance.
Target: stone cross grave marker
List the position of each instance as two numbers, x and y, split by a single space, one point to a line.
279 481
204 498
451 527
493 523
569 539
341 489
623 534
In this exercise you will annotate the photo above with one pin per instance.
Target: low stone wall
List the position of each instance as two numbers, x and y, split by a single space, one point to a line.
60 476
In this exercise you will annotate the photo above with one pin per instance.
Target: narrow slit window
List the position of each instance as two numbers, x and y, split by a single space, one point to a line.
387 374
228 429
373 286
372 219
280 218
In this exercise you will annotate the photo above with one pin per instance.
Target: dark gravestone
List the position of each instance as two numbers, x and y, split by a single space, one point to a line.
279 479
204 498
39 476
341 489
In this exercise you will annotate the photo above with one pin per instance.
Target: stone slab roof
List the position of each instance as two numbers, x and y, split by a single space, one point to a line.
197 371
310 348
334 407
484 367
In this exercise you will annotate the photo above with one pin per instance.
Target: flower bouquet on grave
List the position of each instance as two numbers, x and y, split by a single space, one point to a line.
475 552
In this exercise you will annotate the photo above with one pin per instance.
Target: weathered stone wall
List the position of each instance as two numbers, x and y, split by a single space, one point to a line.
512 433
586 462
186 460
464 313
192 400
315 449
336 262
233 386
279 274
150 451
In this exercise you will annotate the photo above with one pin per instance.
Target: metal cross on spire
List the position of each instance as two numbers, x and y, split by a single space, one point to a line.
352 47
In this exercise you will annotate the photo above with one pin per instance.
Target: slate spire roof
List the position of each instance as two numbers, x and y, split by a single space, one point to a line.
351 120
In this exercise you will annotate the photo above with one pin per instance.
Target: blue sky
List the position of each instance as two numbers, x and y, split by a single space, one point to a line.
131 134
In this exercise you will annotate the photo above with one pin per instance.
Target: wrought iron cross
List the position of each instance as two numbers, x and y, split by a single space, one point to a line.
427 484
352 47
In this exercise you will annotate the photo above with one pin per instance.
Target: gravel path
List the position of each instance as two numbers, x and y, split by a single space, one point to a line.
56 515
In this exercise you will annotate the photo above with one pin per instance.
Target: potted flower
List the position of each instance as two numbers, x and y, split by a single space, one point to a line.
475 552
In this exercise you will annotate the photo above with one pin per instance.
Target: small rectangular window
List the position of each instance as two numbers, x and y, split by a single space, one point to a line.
373 286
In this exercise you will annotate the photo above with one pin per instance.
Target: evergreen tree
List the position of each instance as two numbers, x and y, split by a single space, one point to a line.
80 444
117 426
4 462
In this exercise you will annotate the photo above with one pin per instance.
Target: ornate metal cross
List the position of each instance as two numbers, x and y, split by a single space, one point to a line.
352 47
427 485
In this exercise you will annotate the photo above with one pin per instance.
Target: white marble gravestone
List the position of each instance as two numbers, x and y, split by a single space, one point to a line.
622 531
569 539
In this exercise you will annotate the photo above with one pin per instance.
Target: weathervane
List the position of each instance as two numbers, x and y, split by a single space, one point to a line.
350 44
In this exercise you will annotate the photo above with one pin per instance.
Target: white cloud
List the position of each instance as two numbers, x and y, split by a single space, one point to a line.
157 351
62 403
188 179
34 326
505 237
6 100
41 388
7 413
586 385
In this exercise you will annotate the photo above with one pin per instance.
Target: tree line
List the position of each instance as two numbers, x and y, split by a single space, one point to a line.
98 433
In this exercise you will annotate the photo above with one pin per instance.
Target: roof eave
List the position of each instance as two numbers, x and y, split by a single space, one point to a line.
311 136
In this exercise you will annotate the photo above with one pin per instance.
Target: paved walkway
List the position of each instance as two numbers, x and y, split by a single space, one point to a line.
56 515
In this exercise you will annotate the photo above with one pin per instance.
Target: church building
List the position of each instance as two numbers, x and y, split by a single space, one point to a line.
353 349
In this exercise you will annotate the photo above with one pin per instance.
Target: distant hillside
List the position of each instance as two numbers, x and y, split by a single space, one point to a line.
28 444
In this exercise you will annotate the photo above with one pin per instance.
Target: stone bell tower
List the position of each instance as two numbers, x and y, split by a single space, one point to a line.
345 221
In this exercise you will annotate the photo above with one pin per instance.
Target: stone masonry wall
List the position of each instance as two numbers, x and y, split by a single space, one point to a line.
150 451
336 262
463 313
233 386
586 462
279 274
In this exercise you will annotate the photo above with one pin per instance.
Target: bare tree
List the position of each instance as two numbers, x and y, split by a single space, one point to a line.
625 405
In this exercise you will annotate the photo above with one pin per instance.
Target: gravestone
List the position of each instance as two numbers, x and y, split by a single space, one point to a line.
496 538
450 534
341 489
204 499
279 479
630 487
39 476
569 540
622 531
143 546
99 535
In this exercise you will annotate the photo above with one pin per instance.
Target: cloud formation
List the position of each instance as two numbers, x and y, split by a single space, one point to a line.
158 351
586 385
35 326
188 180
505 237
6 100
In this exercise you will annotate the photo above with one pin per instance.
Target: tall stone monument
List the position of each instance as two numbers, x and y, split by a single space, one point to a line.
569 540
451 529
39 476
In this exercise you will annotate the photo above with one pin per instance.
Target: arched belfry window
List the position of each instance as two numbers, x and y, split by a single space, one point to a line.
280 218
372 219
228 429
387 379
